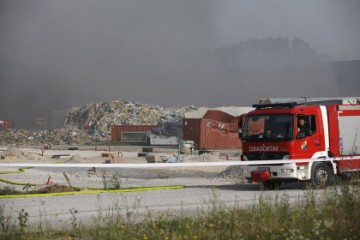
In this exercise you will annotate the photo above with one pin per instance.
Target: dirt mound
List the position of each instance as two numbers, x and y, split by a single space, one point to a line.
13 152
74 159
232 172
54 189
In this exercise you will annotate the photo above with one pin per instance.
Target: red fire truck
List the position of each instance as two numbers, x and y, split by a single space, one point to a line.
329 139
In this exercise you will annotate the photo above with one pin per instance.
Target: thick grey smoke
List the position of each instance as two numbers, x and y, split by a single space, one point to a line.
330 26
55 54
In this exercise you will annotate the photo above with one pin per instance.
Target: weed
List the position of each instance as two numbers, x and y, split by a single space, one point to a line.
23 218
74 223
115 182
105 181
332 215
8 191
26 188
8 230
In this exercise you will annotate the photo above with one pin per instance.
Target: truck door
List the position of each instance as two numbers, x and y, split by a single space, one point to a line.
308 139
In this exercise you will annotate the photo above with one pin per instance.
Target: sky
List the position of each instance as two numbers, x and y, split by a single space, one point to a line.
58 54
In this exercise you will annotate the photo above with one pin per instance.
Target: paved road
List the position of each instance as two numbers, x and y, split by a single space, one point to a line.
55 211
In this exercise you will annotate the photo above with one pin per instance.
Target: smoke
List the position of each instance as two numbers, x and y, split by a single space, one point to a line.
56 54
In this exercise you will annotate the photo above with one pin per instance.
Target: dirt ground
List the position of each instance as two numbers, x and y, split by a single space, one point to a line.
92 178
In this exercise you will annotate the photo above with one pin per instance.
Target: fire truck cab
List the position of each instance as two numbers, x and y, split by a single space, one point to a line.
327 129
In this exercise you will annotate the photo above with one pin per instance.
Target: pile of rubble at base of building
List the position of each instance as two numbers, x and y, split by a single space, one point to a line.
91 124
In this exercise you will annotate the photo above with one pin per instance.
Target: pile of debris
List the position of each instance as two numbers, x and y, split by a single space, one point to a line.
63 136
12 153
98 118
91 124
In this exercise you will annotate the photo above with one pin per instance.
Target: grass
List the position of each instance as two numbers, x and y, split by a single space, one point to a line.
8 191
335 215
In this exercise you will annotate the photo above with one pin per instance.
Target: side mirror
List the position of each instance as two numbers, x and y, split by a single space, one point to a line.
301 135
240 134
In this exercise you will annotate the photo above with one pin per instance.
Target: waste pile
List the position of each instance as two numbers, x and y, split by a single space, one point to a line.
63 136
91 124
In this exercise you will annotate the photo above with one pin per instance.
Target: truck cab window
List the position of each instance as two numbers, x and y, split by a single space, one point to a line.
272 127
306 125
312 124
301 124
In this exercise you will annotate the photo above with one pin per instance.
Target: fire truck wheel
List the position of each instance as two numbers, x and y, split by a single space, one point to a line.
321 175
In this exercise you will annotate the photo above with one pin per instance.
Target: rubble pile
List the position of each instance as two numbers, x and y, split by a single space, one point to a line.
232 172
64 136
97 119
91 124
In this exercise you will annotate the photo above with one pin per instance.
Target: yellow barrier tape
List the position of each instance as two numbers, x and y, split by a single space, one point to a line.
94 191
21 170
16 183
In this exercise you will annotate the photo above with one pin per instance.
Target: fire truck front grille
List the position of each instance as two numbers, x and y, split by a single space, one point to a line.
265 155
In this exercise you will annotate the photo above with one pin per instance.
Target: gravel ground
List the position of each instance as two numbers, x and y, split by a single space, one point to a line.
110 178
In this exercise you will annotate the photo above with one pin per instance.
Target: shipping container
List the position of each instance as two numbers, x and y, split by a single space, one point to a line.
215 129
130 133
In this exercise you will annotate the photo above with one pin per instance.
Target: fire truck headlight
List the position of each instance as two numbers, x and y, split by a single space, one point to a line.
286 157
244 157
287 170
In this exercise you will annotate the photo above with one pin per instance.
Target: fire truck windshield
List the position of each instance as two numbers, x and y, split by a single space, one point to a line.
271 127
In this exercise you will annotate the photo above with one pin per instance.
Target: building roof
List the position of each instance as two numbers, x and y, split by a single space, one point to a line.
234 111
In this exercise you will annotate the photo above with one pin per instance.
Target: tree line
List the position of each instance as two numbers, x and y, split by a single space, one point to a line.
269 51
